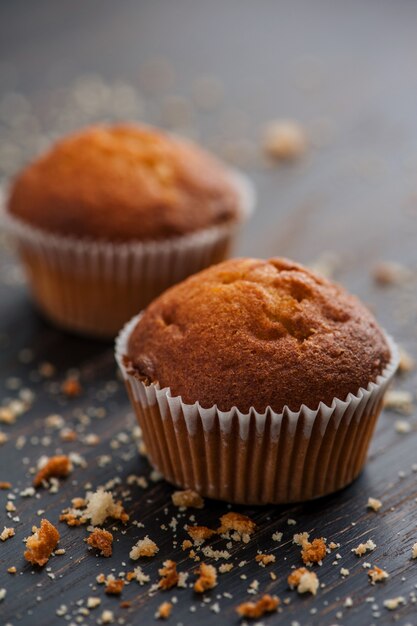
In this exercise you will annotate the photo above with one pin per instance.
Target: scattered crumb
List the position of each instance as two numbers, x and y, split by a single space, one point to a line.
284 140
169 575
138 575
254 610
407 362
71 387
114 587
107 617
7 533
187 499
390 273
362 548
344 571
265 559
402 427
41 544
5 485
199 534
101 505
225 567
414 551
12 570
186 544
164 610
399 400
393 603
102 540
3 438
277 536
314 552
303 580
242 524
374 504
93 602
207 578
55 467
144 547
376 574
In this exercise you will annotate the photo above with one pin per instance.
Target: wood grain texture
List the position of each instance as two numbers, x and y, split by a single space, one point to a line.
349 64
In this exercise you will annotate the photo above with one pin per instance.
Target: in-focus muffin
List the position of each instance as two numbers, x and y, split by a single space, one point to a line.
257 381
113 215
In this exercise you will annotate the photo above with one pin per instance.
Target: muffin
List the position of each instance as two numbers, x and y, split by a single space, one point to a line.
111 216
257 381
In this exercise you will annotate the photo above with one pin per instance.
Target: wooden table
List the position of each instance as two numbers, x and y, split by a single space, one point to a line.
346 72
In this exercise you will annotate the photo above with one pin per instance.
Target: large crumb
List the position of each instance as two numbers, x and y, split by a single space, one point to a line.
199 534
313 552
376 574
169 575
237 522
254 610
40 545
144 547
187 499
284 140
303 580
101 505
207 578
102 540
362 548
164 610
114 587
55 467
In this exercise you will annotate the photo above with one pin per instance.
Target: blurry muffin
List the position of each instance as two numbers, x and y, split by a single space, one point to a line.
272 379
111 216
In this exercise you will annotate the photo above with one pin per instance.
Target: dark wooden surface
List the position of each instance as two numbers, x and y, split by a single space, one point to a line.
347 72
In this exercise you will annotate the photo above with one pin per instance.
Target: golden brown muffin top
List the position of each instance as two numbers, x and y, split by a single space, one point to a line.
250 332
122 183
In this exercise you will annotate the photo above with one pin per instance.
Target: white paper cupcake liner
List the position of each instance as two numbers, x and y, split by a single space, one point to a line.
256 458
95 287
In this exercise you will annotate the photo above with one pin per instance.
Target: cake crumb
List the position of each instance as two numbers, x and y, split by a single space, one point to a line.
55 467
390 273
265 559
187 499
114 587
344 572
242 524
277 536
186 544
254 610
362 548
414 551
393 603
93 602
303 580
207 578
102 540
199 534
284 140
402 427
225 567
107 617
374 504
41 544
399 400
100 505
376 574
7 533
5 484
12 569
407 362
143 548
313 552
71 387
169 575
164 610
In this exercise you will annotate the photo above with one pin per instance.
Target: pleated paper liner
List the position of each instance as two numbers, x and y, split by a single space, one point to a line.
256 458
93 288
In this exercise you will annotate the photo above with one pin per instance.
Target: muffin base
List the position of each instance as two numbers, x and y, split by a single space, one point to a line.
256 458
93 288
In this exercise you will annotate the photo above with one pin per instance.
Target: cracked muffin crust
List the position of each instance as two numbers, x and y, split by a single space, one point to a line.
122 183
255 333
